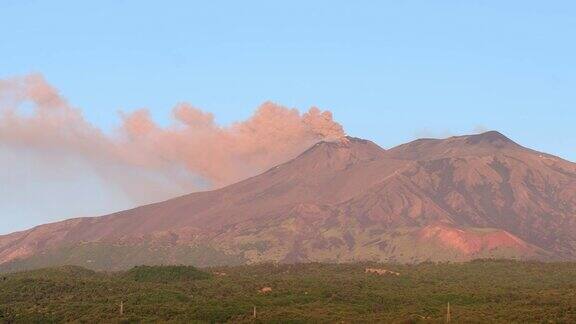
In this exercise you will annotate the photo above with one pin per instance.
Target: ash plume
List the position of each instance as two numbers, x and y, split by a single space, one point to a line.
142 162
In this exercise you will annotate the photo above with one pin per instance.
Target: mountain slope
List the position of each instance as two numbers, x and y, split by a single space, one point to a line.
454 199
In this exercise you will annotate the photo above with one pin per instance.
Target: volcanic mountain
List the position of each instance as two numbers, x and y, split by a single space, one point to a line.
452 199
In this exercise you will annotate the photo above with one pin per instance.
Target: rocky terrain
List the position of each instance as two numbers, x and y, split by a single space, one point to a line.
453 199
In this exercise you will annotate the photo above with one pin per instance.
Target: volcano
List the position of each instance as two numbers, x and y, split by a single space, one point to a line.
454 199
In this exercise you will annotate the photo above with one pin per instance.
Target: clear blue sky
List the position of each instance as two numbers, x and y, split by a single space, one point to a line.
389 70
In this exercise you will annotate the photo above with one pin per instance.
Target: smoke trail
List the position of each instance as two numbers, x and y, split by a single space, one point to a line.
143 161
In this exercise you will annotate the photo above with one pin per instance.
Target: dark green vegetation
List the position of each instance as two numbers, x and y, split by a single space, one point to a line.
479 291
165 274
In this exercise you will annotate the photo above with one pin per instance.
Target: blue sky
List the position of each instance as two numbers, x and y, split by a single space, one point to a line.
389 70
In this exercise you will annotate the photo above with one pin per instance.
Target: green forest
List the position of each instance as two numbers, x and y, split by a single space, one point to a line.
483 291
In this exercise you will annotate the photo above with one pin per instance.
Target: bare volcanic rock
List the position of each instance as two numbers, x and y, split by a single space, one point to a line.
455 199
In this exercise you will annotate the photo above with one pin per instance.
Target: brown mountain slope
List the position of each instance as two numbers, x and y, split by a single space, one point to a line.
454 199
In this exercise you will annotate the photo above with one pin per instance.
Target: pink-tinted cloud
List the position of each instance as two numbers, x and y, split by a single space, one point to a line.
148 162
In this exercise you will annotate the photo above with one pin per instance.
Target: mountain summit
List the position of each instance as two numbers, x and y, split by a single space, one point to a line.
451 199
479 144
